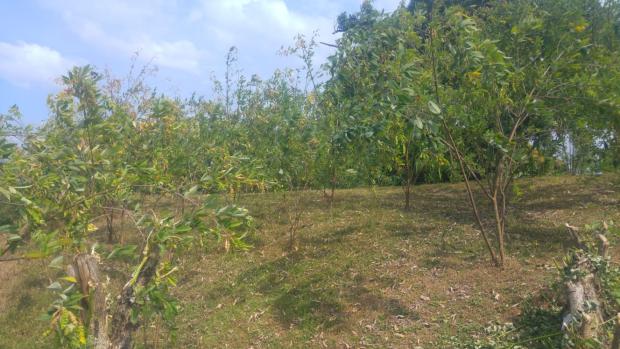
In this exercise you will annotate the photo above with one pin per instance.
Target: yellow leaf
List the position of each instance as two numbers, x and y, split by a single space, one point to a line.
69 278
91 227
474 75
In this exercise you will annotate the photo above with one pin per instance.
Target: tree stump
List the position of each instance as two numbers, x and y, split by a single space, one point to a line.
85 270
583 314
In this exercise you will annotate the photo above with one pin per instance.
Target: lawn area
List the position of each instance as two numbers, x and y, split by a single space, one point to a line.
362 273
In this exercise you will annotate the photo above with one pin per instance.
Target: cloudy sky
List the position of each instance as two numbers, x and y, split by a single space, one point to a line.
186 39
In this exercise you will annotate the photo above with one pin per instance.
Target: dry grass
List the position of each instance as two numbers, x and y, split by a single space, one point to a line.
364 273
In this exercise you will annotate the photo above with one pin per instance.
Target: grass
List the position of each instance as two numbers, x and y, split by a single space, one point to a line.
364 273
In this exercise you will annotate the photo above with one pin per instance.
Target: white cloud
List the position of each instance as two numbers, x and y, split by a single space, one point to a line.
389 5
259 22
259 28
177 54
24 64
121 28
193 36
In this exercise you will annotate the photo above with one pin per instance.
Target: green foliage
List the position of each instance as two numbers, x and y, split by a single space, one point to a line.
94 158
64 315
494 90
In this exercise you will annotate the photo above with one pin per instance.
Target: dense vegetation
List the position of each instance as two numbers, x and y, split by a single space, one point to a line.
483 92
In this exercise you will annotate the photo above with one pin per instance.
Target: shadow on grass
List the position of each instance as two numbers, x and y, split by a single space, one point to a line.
309 305
538 328
559 197
335 237
525 231
308 295
406 230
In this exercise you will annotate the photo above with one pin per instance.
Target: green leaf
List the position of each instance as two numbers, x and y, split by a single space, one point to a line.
191 191
122 251
13 238
434 108
55 286
56 263
418 123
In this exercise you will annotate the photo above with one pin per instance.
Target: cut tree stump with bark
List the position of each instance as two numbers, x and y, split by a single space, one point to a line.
85 269
584 313
118 332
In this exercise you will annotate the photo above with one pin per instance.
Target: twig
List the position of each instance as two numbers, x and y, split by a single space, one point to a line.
328 44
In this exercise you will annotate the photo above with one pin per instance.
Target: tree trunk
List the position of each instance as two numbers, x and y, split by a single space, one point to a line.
470 195
500 232
407 196
615 344
94 314
408 177
333 188
109 220
122 326
603 245
122 226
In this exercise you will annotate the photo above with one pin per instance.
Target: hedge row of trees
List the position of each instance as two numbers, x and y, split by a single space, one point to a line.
480 91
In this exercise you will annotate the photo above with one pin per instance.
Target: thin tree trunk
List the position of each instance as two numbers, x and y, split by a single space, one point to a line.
122 226
455 150
109 220
122 327
615 344
500 231
470 195
408 196
332 189
408 178
497 210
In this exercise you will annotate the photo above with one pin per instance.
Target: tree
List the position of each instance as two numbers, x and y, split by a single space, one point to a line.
382 84
80 165
499 88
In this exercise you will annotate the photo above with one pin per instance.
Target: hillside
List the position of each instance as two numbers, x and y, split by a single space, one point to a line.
363 274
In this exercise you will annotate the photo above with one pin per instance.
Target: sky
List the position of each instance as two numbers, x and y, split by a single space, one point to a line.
187 40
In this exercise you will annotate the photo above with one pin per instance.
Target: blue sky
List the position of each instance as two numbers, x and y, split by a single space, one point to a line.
186 39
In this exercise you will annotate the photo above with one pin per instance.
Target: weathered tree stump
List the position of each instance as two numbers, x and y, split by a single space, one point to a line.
85 270
584 313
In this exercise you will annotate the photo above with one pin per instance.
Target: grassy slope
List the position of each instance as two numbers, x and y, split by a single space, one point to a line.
362 274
